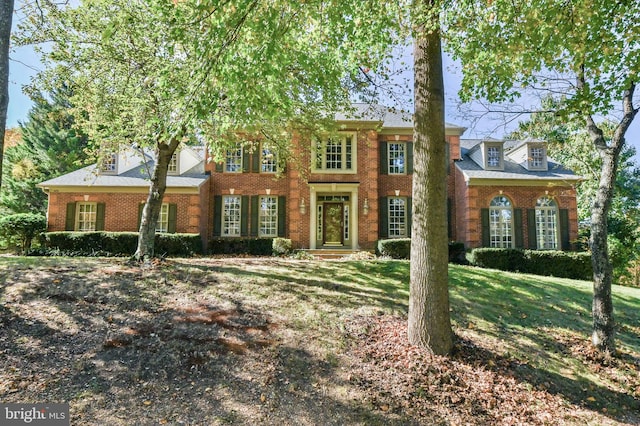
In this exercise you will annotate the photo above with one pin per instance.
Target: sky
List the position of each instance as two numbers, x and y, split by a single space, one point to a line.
24 64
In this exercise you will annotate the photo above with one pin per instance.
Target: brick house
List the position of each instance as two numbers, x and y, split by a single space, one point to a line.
346 190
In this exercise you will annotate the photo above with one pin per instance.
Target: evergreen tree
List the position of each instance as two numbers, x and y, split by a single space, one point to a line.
50 147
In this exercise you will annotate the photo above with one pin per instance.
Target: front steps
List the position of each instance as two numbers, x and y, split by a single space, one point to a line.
332 253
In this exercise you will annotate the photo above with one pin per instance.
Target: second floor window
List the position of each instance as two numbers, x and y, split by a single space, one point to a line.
336 154
233 162
397 155
268 160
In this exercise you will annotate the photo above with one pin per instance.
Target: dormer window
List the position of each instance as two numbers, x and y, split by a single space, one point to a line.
493 156
173 164
537 157
109 163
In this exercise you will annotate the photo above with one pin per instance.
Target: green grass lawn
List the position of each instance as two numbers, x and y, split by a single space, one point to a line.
542 324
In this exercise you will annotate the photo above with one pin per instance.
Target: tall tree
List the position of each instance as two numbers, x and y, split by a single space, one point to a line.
153 73
6 18
429 324
585 51
50 147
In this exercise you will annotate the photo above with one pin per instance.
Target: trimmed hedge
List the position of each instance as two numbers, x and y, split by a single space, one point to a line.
562 264
118 243
400 248
252 246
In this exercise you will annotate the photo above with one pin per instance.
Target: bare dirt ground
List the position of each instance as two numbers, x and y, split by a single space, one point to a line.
222 341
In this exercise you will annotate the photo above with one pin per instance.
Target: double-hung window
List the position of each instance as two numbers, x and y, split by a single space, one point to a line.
86 215
397 213
494 156
231 214
396 152
163 219
173 164
268 216
268 160
537 158
233 162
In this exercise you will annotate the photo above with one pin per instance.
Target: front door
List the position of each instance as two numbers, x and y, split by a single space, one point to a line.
333 219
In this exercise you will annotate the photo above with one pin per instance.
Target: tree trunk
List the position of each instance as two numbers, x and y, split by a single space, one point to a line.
429 321
6 16
151 210
603 336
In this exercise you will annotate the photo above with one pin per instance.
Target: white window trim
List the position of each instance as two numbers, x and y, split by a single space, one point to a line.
511 225
241 168
224 231
78 213
275 159
354 155
544 165
260 216
500 165
175 159
554 208
113 157
404 166
163 224
406 218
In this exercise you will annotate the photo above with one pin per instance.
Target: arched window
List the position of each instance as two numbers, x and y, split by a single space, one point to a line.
546 224
501 222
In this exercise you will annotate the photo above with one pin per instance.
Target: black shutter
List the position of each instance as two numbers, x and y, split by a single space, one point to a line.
244 216
484 220
282 216
409 158
70 220
409 216
100 216
255 161
531 229
220 167
383 209
517 224
173 218
217 215
246 161
255 214
564 229
384 158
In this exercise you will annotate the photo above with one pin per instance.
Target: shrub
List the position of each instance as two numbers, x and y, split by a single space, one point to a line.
253 246
575 265
396 248
400 248
118 243
281 246
20 229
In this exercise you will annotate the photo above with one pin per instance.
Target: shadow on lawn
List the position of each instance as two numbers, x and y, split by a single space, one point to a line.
122 348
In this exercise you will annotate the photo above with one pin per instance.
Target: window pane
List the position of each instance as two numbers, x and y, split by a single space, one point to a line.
268 217
163 219
268 162
546 224
500 222
234 160
86 219
109 163
231 216
537 157
396 158
493 156
397 217
333 154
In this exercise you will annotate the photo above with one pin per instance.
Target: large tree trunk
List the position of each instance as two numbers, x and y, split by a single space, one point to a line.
151 210
6 15
602 309
603 337
429 321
